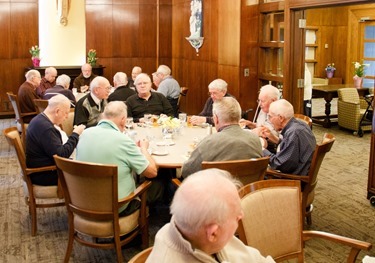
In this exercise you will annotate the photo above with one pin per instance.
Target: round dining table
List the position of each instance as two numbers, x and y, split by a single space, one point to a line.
170 150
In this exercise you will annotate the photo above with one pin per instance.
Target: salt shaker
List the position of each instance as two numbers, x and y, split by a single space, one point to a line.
209 129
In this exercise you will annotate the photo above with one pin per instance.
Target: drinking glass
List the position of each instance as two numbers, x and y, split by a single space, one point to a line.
129 123
182 117
147 118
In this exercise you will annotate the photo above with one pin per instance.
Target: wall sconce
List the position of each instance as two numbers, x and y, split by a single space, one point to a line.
196 21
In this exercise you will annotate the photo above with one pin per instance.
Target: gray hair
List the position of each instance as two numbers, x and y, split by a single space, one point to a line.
120 78
31 74
218 84
50 70
202 199
115 109
283 108
165 70
227 110
270 92
141 75
137 69
86 65
63 80
58 101
97 81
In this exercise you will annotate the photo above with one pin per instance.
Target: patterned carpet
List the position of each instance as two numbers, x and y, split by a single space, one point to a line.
340 205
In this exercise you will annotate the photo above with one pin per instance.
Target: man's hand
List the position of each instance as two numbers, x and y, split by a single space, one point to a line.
84 88
195 120
79 129
247 123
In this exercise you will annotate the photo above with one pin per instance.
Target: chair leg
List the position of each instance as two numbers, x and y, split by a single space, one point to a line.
145 237
118 249
32 210
309 219
69 248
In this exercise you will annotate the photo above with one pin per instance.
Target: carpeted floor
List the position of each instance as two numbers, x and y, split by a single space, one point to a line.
340 205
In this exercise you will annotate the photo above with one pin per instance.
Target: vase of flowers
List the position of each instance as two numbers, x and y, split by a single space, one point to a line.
330 70
359 72
91 57
35 55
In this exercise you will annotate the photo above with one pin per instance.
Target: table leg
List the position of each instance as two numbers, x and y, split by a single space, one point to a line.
327 119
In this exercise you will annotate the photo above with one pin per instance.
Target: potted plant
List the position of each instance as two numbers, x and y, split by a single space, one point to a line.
330 70
35 55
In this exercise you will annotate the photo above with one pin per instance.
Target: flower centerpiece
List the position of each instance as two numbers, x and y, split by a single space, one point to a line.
35 55
330 70
359 72
91 57
169 124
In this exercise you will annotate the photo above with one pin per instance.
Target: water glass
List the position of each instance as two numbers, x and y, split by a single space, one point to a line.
129 123
182 117
147 117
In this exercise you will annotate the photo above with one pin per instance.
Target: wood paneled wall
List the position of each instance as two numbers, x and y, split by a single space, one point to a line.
19 31
332 25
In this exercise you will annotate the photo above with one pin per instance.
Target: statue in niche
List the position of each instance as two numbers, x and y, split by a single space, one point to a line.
63 7
195 18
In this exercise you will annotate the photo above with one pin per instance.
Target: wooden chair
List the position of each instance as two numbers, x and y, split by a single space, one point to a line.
309 181
21 126
183 93
91 197
247 171
32 191
141 257
304 118
40 105
273 222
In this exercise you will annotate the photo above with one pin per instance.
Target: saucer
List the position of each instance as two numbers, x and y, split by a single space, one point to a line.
160 153
163 143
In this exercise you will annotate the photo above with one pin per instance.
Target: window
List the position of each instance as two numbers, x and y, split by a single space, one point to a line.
368 52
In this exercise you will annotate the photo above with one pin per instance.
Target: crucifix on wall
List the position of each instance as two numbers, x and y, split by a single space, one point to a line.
195 24
63 7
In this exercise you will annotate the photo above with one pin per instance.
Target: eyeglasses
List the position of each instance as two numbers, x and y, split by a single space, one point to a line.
107 88
142 83
213 93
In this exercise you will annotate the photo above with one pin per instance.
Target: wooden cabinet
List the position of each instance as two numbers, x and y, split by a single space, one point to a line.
271 44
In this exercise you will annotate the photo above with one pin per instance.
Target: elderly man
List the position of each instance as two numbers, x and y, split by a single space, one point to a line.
229 143
146 101
217 89
267 95
89 107
44 139
117 148
62 87
48 81
205 212
297 144
27 94
122 91
135 72
168 86
82 82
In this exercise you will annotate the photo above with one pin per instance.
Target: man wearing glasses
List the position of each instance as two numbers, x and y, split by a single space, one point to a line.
297 144
267 95
217 90
89 107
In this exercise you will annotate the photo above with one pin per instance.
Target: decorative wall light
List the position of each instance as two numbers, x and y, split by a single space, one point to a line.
196 22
